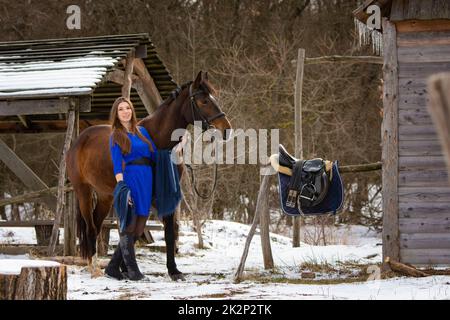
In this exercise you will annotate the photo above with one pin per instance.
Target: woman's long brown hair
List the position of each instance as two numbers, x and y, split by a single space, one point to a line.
119 132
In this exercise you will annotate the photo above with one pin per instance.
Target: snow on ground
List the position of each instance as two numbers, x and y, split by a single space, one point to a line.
209 272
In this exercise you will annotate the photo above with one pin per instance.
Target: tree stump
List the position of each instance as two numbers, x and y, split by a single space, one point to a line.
32 280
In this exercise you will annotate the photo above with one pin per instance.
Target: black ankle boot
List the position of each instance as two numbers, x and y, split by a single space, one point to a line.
113 267
129 257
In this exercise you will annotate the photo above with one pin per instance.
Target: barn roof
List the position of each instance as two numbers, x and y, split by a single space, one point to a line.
77 67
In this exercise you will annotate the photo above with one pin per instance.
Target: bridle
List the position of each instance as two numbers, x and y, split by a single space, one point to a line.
206 122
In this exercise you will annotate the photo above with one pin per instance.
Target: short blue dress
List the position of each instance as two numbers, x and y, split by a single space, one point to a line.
139 178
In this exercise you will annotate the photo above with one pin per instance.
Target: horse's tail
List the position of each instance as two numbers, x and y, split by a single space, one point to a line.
86 240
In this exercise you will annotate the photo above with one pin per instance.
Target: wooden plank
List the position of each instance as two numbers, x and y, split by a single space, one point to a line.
425 241
26 223
421 39
391 243
419 210
415 116
417 132
25 107
425 256
424 178
422 70
419 148
424 195
27 249
413 101
422 26
422 225
418 163
424 54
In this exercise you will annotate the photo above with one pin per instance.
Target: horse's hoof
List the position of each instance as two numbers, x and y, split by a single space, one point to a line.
177 276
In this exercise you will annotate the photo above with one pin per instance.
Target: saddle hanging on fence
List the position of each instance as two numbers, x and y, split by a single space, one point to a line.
307 187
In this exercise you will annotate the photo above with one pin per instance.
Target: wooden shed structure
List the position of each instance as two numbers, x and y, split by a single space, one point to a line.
66 85
416 191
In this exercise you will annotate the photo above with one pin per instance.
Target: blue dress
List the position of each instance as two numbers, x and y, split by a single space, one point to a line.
139 178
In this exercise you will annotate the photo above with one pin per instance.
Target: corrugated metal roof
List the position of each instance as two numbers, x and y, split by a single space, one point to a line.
76 66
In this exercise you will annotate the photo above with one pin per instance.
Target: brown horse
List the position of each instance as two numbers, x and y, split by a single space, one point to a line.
90 169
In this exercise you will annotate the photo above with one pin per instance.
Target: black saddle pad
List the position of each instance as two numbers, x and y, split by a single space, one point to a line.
331 204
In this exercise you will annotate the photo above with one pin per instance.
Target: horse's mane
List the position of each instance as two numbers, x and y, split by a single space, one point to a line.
175 93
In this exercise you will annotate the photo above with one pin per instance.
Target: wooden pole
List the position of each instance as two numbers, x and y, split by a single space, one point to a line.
262 193
70 236
439 108
298 131
262 209
389 154
61 182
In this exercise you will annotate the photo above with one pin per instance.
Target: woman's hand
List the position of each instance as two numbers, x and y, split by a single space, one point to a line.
119 177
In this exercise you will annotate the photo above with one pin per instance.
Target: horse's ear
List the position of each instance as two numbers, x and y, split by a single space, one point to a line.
206 76
198 80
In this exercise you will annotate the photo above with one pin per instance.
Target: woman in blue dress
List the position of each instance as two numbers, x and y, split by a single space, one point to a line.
132 153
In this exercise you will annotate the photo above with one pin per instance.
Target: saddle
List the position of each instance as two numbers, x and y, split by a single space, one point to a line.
307 186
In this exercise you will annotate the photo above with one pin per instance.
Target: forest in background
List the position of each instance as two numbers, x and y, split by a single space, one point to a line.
247 47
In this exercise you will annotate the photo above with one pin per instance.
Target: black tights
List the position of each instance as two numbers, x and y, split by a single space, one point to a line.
137 226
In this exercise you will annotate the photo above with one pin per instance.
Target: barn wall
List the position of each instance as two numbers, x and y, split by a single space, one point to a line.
423 188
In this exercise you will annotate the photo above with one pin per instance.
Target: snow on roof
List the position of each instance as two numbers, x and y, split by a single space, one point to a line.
73 76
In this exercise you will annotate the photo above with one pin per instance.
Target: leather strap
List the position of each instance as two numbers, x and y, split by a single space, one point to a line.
142 162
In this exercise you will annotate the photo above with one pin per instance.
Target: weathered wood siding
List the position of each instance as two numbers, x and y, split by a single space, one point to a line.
423 188
419 9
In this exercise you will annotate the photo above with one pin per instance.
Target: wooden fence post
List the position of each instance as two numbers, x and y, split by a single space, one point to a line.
263 193
298 131
61 181
70 238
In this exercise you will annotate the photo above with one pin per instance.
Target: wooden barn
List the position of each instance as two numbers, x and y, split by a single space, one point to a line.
66 85
416 191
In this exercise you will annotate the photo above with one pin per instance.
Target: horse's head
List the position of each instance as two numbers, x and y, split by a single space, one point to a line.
203 106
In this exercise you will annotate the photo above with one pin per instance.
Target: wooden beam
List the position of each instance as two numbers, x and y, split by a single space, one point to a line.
146 100
391 238
126 87
149 86
24 107
20 169
423 26
118 76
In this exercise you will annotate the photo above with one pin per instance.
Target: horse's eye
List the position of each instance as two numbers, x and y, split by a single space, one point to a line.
204 101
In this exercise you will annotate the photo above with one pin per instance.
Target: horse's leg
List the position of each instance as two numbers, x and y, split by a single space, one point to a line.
86 229
100 213
169 235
